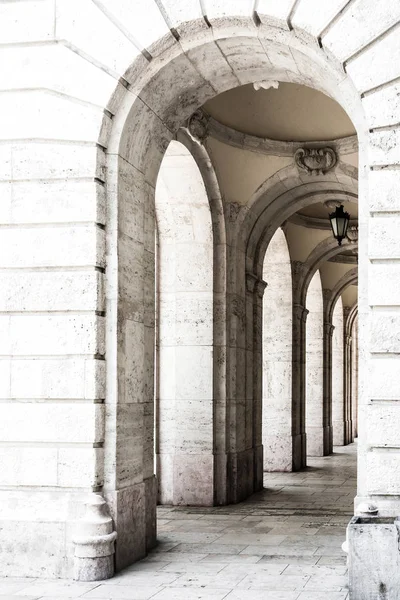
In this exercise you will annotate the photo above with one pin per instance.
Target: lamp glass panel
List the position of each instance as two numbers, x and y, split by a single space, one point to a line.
341 226
334 226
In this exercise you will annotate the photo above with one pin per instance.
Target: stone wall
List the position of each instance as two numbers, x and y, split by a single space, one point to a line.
78 174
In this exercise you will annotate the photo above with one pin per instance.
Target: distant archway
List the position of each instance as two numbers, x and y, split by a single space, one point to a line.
338 400
277 356
314 368
184 385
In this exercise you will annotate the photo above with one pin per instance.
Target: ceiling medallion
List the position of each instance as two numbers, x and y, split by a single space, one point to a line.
315 161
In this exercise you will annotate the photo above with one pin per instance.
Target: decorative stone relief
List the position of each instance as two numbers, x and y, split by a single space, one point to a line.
332 204
94 542
315 161
197 125
265 85
352 234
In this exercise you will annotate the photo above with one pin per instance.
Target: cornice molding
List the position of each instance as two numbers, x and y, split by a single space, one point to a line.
253 143
314 222
344 259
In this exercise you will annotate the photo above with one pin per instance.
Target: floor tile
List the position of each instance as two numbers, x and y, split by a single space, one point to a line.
283 543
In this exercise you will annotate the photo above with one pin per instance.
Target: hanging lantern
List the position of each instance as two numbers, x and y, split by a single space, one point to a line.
339 223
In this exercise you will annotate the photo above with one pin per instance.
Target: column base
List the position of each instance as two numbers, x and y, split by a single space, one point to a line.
258 469
315 441
186 479
278 453
37 529
339 433
240 476
328 440
349 438
299 451
133 510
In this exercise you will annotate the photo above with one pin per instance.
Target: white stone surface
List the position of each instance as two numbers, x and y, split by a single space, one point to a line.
277 356
314 368
185 421
27 21
107 42
338 408
344 39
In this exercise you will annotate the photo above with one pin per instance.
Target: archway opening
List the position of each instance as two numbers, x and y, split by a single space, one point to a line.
315 369
277 356
165 104
184 425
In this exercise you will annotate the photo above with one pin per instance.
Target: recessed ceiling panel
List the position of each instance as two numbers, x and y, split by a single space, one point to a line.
292 112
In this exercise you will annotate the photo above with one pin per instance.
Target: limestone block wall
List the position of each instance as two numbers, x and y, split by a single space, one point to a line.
338 399
277 357
314 368
101 89
184 395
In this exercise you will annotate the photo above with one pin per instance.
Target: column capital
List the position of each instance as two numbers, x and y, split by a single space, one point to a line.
300 312
255 285
329 328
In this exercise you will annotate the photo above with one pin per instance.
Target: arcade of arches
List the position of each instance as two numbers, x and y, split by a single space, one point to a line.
178 325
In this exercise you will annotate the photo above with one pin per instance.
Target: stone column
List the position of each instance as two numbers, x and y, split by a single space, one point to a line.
354 386
339 405
259 289
299 387
299 319
185 403
349 389
277 357
327 389
315 369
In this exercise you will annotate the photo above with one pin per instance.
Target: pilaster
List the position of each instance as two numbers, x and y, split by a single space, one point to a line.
255 288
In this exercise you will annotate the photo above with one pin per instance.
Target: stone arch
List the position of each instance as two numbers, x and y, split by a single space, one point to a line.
277 356
278 198
185 298
322 252
352 315
349 278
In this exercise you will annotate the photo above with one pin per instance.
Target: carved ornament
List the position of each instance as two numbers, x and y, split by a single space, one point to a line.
352 234
197 125
315 161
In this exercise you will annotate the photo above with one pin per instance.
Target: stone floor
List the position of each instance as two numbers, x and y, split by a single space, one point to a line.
282 544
